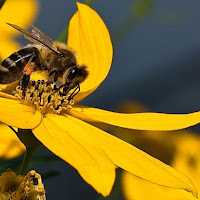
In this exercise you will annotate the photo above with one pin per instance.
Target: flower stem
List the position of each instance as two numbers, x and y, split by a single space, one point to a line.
89 2
26 161
63 36
31 143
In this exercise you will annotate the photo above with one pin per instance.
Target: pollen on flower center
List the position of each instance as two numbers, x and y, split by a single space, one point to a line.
21 187
45 97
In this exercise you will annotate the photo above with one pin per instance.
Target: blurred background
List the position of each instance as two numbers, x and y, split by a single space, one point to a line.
156 63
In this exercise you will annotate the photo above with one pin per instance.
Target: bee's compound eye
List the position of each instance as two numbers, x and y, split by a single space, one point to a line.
73 72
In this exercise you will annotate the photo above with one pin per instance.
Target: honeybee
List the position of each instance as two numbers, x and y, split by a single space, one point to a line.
55 57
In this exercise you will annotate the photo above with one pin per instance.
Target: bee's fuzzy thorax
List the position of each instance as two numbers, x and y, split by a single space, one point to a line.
61 45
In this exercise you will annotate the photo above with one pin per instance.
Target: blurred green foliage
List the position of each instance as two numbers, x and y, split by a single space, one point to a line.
138 10
40 160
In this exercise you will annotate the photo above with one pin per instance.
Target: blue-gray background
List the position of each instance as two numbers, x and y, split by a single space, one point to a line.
156 62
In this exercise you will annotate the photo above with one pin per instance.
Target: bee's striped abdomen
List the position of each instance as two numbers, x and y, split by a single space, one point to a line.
11 69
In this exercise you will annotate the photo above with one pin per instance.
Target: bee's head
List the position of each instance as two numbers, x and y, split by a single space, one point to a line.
74 76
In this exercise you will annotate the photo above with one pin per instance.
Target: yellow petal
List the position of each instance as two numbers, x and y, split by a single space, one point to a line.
137 162
20 12
8 46
140 121
89 37
13 113
10 145
9 89
71 142
186 157
8 96
133 189
80 97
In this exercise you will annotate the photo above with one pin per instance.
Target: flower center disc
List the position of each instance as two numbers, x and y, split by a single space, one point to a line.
45 97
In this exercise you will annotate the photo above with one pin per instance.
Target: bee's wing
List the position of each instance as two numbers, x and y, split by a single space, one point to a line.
37 37
37 32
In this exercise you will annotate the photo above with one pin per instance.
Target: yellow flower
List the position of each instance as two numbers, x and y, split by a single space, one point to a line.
20 12
21 186
10 146
183 156
180 149
92 152
13 12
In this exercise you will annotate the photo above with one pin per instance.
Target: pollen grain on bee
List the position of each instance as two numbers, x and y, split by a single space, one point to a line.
45 97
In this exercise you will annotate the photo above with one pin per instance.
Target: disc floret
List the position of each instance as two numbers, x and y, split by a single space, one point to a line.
46 97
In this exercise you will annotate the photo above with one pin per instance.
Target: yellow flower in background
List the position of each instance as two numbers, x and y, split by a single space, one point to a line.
21 186
183 155
10 145
180 149
94 153
187 158
21 12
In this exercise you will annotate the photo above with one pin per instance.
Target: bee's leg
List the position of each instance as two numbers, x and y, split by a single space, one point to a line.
25 82
61 86
66 89
30 66
74 93
28 69
54 74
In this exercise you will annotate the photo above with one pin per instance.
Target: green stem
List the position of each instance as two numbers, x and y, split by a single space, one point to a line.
26 160
138 11
31 143
2 3
89 2
63 36
27 137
